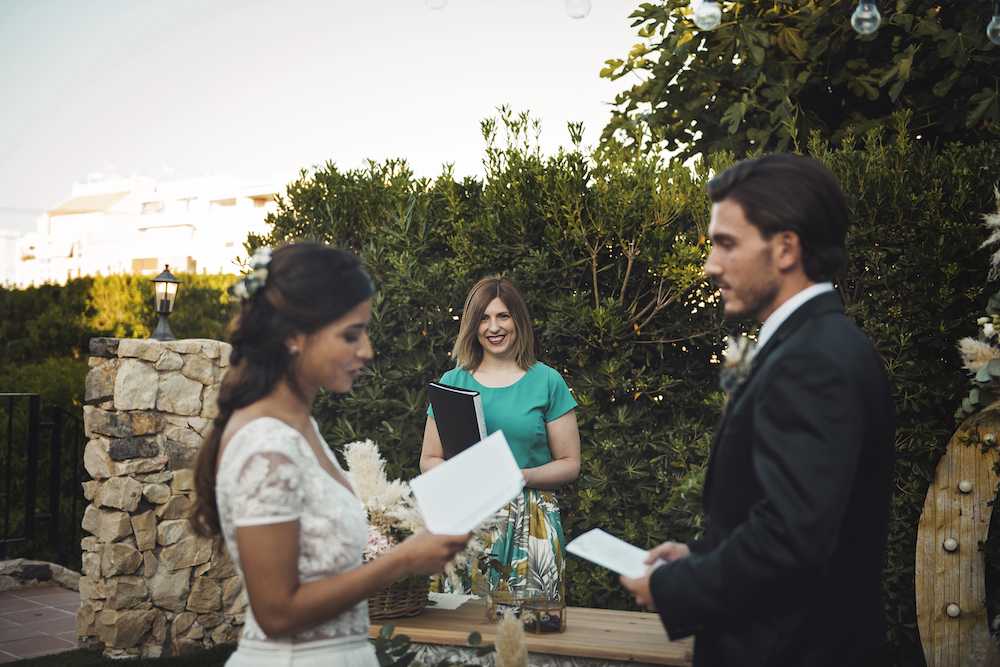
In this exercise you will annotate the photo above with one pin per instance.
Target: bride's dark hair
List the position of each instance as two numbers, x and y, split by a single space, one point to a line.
308 286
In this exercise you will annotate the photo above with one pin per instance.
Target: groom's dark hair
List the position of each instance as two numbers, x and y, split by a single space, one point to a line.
784 192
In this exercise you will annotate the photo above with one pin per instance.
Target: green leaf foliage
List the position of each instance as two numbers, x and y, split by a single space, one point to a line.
774 72
609 249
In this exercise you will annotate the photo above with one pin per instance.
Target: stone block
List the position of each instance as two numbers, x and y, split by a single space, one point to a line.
85 616
223 634
173 531
210 402
123 629
169 590
91 565
153 650
225 350
119 559
156 493
209 620
144 529
157 478
125 449
147 349
234 599
90 489
176 507
183 435
120 493
97 460
146 423
189 552
149 564
159 627
100 383
200 369
186 346
178 394
222 565
105 422
125 592
170 361
135 467
104 347
186 646
179 456
210 348
136 386
92 589
107 526
183 622
199 425
90 543
196 632
183 481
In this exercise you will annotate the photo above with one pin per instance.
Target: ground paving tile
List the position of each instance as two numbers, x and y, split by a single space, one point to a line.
37 621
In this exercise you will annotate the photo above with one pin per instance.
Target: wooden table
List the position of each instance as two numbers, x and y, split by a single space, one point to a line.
626 636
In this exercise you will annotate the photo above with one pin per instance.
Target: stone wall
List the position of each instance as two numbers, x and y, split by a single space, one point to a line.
150 586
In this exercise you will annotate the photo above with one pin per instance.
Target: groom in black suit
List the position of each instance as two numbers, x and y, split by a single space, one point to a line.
797 490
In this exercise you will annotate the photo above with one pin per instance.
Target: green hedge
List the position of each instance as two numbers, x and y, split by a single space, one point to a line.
609 248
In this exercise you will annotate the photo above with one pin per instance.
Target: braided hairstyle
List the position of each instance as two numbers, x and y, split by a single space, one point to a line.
308 286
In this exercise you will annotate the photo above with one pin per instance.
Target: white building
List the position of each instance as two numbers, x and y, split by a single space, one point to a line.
8 251
137 226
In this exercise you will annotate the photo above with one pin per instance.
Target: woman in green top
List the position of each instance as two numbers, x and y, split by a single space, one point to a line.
532 405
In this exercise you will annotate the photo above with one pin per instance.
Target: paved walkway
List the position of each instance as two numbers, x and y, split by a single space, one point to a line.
36 621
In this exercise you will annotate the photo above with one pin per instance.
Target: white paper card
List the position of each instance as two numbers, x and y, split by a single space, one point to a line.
608 551
468 488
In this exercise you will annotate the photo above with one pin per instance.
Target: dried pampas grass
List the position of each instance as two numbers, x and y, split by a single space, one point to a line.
366 470
511 651
976 354
992 220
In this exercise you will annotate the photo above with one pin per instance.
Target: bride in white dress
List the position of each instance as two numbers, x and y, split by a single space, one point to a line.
266 480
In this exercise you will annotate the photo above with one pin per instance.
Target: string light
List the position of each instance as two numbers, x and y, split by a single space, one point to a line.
993 29
866 18
578 8
707 15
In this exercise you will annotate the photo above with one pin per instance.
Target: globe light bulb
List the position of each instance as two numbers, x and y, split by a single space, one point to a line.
993 29
707 15
435 4
866 18
578 8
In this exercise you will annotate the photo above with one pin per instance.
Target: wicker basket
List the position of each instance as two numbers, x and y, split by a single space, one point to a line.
398 600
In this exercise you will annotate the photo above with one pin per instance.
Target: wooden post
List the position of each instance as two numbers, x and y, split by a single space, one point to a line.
957 508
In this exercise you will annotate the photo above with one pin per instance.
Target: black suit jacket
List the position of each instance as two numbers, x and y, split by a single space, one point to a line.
796 499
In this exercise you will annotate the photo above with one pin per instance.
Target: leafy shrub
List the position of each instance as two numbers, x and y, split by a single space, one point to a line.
609 248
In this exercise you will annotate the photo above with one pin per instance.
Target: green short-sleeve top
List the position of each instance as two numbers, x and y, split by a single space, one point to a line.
520 410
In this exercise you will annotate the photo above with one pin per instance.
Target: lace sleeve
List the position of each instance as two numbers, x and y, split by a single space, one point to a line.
268 490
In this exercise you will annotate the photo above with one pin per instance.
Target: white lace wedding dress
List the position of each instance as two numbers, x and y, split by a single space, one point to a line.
269 474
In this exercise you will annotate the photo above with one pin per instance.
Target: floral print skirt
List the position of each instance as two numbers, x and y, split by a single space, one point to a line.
524 551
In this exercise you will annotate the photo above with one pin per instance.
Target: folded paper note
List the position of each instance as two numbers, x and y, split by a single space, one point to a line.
608 551
468 488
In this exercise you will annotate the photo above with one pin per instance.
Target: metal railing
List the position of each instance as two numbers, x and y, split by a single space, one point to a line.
30 461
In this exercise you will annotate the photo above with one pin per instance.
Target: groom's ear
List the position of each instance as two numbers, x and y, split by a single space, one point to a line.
787 250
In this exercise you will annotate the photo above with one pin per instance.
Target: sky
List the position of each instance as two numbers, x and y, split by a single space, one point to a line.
174 89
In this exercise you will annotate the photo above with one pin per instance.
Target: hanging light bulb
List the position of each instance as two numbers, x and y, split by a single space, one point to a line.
866 18
435 4
707 15
578 8
993 29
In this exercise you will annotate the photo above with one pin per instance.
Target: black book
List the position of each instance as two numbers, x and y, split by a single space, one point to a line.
458 414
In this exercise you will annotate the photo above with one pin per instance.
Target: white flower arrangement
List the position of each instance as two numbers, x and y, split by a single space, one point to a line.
393 515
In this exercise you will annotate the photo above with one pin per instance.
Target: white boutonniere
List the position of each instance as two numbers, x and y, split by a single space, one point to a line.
738 364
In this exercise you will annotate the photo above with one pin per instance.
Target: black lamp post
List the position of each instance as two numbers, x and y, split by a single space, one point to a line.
165 292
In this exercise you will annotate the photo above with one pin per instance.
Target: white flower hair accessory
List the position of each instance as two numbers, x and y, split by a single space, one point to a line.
248 285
